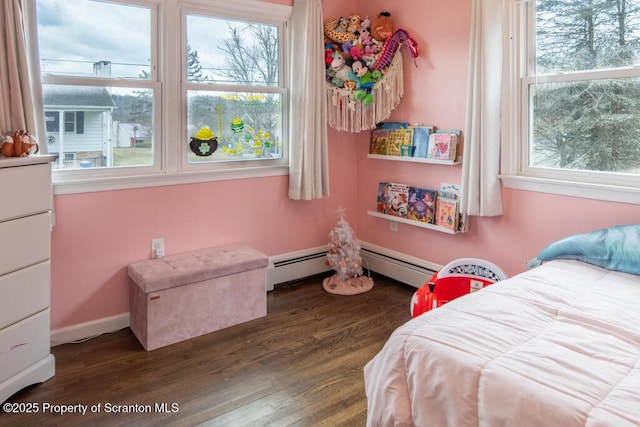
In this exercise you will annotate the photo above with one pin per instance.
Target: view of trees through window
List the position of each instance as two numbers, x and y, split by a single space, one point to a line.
585 94
245 117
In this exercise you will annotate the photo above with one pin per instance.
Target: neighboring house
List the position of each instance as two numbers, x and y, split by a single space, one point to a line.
131 134
79 124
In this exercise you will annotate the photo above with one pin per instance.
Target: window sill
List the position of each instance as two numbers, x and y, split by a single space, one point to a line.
612 193
73 185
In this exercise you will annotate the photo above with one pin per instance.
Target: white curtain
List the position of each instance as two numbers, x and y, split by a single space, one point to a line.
19 82
309 158
481 161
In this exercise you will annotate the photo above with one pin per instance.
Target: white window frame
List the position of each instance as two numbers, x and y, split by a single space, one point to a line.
519 41
229 10
168 82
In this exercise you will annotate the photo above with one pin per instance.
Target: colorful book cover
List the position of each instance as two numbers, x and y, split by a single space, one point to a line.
393 125
422 204
442 146
447 213
452 191
397 200
400 142
379 141
382 197
420 141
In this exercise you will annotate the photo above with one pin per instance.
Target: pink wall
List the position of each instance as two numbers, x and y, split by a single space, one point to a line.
98 234
435 93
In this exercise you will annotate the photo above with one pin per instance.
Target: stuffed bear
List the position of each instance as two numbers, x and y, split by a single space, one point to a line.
382 27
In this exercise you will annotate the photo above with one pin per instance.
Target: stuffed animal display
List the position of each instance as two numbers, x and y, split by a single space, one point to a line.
358 52
19 145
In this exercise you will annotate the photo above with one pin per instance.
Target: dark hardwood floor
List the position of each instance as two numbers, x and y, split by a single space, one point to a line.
301 365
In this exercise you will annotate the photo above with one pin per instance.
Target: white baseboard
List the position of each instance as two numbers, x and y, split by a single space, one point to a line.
397 265
83 331
283 268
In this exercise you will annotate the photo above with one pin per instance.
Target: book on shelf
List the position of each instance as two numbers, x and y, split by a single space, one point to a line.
381 199
400 141
456 132
447 210
422 204
442 146
392 125
452 191
420 141
397 200
379 141
452 194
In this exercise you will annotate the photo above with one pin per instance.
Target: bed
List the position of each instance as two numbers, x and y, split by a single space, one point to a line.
558 345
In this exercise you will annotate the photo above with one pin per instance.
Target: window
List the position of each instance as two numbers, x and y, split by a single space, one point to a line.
95 84
114 96
234 88
576 83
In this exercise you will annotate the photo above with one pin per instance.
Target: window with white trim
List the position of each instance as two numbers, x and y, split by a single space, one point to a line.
576 86
136 88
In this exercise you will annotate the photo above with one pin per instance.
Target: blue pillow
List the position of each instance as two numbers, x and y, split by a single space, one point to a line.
614 248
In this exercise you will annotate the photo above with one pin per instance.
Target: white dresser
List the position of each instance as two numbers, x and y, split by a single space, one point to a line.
25 249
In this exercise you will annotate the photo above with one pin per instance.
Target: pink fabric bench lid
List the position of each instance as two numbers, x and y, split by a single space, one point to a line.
191 267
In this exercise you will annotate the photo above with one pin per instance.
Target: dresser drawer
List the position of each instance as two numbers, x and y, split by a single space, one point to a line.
29 192
25 241
23 344
24 292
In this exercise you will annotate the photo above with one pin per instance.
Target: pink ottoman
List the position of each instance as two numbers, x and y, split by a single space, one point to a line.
187 295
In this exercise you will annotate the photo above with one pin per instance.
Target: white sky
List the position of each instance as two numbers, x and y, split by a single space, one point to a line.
82 32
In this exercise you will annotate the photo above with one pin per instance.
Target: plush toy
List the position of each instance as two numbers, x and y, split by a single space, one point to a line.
354 22
342 25
19 145
365 23
334 31
365 83
382 27
365 39
7 146
337 62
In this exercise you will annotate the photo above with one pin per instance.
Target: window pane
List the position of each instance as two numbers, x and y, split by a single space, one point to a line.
231 52
247 126
52 121
574 35
116 125
94 38
586 125
69 121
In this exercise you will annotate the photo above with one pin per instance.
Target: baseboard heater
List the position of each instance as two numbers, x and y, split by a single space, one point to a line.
396 265
296 265
402 267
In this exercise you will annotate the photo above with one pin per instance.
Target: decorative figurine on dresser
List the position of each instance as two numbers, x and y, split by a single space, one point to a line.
25 247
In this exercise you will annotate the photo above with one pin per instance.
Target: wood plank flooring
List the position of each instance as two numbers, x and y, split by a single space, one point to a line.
302 365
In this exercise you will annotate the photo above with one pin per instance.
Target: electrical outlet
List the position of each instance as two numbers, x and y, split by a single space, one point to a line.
393 226
157 247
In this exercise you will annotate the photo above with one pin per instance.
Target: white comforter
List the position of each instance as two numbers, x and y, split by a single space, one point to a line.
558 345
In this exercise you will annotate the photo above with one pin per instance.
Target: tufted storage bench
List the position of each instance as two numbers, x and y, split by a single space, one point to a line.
190 294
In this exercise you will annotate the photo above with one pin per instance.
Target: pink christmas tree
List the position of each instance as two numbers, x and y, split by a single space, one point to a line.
344 257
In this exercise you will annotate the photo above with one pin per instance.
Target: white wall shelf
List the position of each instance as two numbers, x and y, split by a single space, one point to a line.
415 159
413 222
